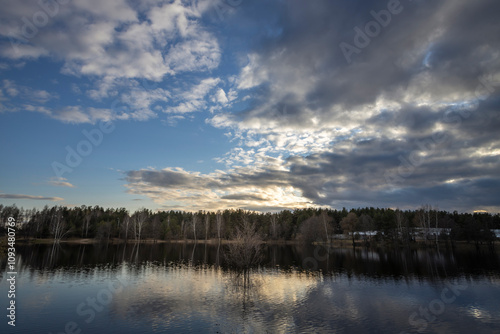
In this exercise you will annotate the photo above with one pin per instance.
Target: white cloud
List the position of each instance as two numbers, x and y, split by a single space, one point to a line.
72 114
16 91
21 196
108 39
173 120
194 98
221 96
199 54
60 182
116 44
193 191
253 74
10 88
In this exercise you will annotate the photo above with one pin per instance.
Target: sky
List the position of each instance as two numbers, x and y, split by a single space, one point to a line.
261 105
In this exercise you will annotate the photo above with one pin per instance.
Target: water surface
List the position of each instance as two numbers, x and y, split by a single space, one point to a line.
181 288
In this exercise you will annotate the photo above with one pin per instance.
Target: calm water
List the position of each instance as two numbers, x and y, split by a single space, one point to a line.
177 288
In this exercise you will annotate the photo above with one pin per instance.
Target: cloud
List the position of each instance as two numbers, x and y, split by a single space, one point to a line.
18 196
306 82
345 127
246 188
15 91
221 96
344 178
115 44
194 98
113 38
60 182
411 117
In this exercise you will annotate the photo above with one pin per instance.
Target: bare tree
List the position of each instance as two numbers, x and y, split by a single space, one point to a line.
399 222
423 218
246 250
326 220
183 229
58 226
139 219
88 217
207 225
194 222
349 225
219 222
436 231
126 226
403 230
274 226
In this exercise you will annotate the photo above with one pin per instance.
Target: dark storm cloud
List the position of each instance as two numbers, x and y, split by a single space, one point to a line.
451 42
412 117
169 178
354 177
357 177
411 81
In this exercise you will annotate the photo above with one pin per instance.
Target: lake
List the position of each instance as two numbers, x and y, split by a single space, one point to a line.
182 288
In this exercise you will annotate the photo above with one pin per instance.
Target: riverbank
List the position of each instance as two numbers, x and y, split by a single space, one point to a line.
341 243
85 241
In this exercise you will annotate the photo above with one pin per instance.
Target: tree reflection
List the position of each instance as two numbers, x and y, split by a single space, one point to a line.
246 251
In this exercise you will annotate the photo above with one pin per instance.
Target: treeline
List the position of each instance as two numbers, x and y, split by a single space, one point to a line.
309 224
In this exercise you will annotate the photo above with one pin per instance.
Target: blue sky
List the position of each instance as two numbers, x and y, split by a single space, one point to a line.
261 105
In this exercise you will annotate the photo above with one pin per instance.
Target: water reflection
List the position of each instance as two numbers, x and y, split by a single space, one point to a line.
398 263
187 287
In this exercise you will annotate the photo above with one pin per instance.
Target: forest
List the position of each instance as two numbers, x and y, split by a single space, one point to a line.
308 225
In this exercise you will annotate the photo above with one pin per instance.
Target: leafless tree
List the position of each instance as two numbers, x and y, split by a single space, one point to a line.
194 222
436 231
246 250
219 222
399 222
274 226
349 225
183 229
139 219
126 226
207 225
403 231
58 226
88 217
423 219
326 220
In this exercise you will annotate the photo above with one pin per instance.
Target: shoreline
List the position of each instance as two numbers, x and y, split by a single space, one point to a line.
333 243
86 241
